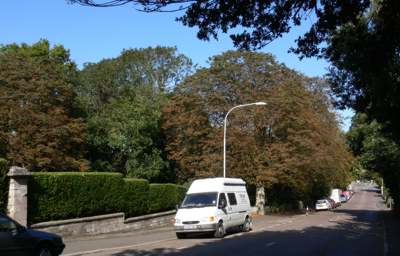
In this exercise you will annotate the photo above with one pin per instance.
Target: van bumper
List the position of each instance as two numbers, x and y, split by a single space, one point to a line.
195 228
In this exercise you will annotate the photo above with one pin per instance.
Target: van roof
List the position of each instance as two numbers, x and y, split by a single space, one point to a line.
216 184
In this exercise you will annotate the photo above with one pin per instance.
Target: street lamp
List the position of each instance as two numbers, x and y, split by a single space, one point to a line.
260 103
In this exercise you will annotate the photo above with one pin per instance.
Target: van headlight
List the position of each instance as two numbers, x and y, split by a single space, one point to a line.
177 221
211 219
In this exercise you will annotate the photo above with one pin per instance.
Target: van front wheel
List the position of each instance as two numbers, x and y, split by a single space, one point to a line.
220 231
180 235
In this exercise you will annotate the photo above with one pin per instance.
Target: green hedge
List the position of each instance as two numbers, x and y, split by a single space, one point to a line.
162 197
56 196
180 193
3 184
136 197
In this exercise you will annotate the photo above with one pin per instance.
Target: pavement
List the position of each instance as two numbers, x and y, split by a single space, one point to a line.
362 226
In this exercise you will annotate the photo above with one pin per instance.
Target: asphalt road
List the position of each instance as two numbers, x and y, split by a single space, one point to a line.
355 228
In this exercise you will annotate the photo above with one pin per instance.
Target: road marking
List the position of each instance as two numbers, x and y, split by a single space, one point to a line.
270 244
117 248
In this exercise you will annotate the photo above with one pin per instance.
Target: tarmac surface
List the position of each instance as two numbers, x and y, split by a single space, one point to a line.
358 227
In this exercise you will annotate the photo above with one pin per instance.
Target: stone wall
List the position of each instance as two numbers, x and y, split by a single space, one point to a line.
17 207
106 224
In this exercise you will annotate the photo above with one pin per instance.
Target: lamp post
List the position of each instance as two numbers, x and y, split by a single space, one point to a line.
260 103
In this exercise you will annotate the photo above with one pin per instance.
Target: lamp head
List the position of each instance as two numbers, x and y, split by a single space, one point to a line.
260 103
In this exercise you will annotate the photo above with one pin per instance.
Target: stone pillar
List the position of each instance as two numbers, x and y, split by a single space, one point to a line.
260 200
17 207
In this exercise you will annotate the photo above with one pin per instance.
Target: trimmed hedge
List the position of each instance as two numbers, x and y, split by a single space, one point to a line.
180 193
136 197
56 196
162 197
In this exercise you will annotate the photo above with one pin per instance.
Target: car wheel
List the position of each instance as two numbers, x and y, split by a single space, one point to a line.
44 251
180 235
246 227
220 231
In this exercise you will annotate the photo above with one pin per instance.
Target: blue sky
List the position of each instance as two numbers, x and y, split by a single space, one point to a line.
92 34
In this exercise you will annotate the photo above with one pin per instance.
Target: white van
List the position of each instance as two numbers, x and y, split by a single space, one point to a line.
335 195
214 205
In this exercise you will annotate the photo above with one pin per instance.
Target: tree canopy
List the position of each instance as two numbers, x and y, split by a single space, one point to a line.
356 37
121 99
360 39
261 21
376 151
292 144
37 126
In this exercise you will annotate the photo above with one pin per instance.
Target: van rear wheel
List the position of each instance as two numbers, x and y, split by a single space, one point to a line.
246 227
220 231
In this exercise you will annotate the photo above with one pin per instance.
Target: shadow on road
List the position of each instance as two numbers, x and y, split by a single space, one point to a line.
360 234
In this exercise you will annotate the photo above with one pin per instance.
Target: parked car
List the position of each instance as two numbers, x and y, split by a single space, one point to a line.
214 205
343 199
323 204
15 240
333 204
347 194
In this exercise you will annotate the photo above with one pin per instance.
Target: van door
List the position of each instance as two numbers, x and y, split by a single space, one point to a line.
224 213
244 204
233 204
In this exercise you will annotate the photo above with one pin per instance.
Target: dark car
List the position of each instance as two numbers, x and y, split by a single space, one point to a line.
332 202
18 240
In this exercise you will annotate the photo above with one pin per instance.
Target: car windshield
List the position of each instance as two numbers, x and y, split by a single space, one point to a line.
321 201
200 200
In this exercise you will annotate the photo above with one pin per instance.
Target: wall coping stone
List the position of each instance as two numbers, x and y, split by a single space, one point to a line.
77 220
150 216
16 171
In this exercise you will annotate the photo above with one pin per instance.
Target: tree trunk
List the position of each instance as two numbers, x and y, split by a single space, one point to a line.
260 200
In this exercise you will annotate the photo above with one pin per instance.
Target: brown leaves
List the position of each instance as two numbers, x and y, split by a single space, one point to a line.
291 142
35 114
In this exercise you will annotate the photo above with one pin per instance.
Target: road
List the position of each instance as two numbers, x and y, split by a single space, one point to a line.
355 228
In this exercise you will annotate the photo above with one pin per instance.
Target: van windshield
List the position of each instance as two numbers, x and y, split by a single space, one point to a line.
199 200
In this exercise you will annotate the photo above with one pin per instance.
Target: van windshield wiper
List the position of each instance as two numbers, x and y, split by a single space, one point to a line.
196 205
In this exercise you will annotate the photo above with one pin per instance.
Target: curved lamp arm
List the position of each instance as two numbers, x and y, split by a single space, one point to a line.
260 103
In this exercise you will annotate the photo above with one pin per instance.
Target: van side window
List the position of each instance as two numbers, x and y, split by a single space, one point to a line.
232 199
221 198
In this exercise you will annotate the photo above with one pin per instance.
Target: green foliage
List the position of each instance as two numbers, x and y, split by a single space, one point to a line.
3 184
122 99
127 133
162 197
136 197
259 21
180 193
366 87
54 196
376 152
157 69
